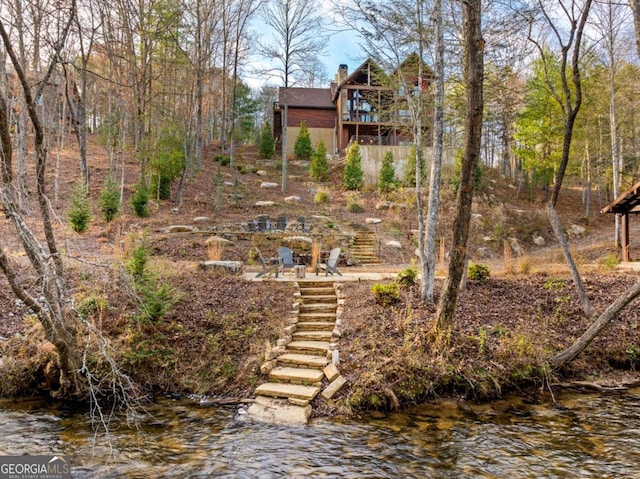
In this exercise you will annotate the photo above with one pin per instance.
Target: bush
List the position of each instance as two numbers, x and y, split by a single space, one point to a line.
478 272
353 169
319 168
167 161
386 294
266 150
387 176
79 212
321 197
140 200
407 277
302 147
109 200
223 160
354 203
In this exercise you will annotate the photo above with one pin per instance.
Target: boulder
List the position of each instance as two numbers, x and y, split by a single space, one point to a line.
265 203
268 185
485 253
577 230
261 173
538 240
229 266
201 219
372 221
181 229
394 244
293 199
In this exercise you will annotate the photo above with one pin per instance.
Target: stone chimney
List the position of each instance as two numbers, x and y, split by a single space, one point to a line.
343 72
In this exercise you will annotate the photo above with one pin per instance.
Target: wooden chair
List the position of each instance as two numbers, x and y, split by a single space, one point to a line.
285 258
268 268
330 264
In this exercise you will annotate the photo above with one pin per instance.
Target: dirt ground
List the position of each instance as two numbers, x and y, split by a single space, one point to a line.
514 303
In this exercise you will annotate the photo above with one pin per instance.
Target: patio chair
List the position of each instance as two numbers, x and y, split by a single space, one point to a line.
302 225
281 223
268 268
263 223
285 258
330 264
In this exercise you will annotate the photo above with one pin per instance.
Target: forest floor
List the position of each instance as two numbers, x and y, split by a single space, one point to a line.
211 342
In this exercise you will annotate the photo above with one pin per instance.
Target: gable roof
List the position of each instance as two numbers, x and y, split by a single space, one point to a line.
369 73
627 202
307 98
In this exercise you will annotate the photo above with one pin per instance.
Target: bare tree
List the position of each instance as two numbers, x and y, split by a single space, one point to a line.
298 38
47 296
473 73
569 98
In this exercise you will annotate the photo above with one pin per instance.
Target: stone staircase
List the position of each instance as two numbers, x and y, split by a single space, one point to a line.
298 365
364 247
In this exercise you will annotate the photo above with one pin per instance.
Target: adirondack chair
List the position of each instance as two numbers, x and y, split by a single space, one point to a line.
285 258
330 264
264 224
268 268
281 223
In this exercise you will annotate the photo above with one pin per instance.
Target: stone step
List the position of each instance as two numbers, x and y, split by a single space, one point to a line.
305 360
318 308
312 335
286 374
315 325
312 347
316 317
325 298
323 290
281 390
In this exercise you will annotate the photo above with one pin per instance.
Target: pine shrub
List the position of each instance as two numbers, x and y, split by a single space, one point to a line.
353 174
386 294
387 176
319 168
266 149
140 200
302 147
79 212
110 200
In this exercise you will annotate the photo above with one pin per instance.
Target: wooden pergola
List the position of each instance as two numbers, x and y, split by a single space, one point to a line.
625 204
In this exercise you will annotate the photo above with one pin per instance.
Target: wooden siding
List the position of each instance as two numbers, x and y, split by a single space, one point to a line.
313 118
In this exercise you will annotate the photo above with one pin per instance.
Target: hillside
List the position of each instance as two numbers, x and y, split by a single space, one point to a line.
212 340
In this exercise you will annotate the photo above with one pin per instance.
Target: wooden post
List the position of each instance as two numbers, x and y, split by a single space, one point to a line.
625 238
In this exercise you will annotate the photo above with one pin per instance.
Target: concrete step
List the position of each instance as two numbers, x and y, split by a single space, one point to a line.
304 360
286 374
281 390
311 347
316 317
315 325
312 335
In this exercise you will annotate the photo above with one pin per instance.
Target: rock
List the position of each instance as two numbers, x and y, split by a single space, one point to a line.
229 266
538 240
487 239
577 230
269 355
276 411
175 210
305 239
485 252
265 203
513 187
201 219
181 229
331 372
372 221
333 388
228 183
336 334
298 402
218 239
261 173
293 199
266 367
394 244
417 252
268 185
384 205
236 196
476 216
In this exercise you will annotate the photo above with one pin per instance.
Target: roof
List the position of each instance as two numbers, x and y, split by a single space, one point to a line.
627 202
307 98
360 75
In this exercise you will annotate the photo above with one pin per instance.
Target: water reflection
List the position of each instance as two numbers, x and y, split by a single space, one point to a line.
582 436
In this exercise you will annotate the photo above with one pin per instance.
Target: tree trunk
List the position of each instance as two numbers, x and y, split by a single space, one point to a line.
474 68
433 207
635 7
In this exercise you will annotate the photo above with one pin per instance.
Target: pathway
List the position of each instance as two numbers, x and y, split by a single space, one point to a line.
301 366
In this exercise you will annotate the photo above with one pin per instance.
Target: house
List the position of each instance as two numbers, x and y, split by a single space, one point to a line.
363 106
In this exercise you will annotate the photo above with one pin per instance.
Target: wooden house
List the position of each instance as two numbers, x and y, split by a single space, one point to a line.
367 106
624 205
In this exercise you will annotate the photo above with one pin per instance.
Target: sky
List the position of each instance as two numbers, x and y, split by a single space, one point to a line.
342 48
